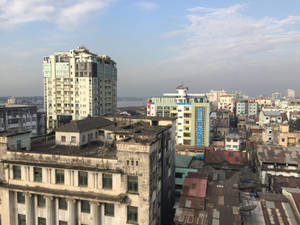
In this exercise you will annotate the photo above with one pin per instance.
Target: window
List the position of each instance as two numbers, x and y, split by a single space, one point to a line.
62 222
21 219
63 139
178 175
83 138
132 184
37 172
85 206
178 186
283 139
132 214
17 172
109 209
41 221
41 202
20 197
107 181
73 139
59 176
62 204
82 178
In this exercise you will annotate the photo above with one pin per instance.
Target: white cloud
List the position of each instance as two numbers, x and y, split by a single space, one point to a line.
147 5
222 44
65 13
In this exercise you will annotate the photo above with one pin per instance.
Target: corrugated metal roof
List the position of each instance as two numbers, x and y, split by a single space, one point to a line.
278 154
272 113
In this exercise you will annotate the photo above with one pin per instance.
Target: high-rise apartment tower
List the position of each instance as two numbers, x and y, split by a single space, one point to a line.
78 84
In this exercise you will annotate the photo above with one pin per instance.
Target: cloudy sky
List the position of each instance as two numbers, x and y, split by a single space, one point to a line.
252 46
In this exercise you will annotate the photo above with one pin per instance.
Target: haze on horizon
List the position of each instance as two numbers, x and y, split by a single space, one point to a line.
252 46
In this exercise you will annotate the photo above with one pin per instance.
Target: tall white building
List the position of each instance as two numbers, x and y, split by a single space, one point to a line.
78 84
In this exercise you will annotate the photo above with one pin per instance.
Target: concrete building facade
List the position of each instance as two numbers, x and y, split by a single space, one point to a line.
232 142
124 174
226 103
78 84
245 108
192 113
22 118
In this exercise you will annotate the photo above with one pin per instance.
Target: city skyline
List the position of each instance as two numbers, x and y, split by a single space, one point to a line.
248 46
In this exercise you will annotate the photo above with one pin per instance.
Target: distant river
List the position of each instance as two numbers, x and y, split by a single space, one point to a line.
131 103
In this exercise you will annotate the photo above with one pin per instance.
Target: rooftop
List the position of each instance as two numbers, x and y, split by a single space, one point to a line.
13 106
272 113
10 133
222 156
195 186
182 161
85 124
269 209
278 154
280 182
139 132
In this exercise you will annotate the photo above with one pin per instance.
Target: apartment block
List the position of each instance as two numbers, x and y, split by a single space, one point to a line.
232 142
192 113
226 103
96 171
22 118
78 84
245 108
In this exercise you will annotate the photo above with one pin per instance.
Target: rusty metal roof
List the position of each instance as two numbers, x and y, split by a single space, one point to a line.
280 182
271 209
221 156
278 154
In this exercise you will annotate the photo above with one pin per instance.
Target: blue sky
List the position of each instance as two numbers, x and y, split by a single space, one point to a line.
253 46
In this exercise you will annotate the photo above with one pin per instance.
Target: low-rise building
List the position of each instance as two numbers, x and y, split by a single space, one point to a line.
293 195
233 160
279 182
232 142
204 203
277 160
182 168
268 209
19 140
263 101
113 170
192 150
267 118
288 139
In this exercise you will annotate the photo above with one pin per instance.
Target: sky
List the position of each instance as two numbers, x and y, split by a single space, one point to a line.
252 46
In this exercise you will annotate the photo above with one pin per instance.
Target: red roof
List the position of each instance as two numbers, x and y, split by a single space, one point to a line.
232 157
194 191
255 130
194 187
